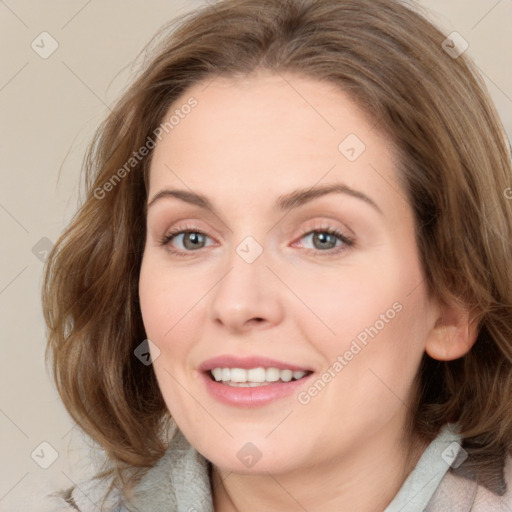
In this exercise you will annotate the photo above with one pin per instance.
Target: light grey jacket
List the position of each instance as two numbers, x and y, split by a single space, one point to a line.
179 482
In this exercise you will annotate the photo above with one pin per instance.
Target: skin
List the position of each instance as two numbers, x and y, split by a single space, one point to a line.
248 141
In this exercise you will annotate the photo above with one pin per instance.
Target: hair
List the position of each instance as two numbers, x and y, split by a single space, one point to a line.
453 162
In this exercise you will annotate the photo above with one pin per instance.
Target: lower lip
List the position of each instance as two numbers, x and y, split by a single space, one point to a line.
251 397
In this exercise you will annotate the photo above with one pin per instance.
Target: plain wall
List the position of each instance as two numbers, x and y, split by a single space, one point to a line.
49 110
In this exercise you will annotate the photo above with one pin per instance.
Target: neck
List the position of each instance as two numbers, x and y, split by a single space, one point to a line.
366 480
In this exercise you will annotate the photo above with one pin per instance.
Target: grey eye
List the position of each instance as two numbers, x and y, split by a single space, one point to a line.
193 240
323 240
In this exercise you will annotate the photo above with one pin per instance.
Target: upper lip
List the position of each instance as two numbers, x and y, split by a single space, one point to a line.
229 361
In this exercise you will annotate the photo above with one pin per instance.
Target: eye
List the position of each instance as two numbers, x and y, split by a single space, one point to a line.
328 240
191 239
325 240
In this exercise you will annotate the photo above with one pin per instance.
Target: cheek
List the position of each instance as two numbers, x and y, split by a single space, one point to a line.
376 314
164 305
153 301
172 308
349 300
166 299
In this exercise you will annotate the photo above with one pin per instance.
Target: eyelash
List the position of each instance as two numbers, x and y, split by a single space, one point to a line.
347 241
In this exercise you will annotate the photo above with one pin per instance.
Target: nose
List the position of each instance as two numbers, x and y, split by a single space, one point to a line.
248 295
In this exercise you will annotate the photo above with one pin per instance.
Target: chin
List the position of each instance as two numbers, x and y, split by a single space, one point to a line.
265 465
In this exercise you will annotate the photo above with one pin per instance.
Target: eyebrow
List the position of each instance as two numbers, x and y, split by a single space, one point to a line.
284 202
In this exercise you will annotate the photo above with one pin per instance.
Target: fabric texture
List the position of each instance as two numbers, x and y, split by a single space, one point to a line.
180 482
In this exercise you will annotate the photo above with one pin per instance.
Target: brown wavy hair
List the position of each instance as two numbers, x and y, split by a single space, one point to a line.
455 167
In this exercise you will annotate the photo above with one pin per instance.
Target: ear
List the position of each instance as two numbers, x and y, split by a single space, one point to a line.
454 333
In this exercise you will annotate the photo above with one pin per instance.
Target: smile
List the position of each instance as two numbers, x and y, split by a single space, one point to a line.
255 377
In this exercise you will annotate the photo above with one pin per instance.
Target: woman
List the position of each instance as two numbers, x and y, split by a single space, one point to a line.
288 287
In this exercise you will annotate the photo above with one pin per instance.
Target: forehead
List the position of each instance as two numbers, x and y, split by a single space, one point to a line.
266 134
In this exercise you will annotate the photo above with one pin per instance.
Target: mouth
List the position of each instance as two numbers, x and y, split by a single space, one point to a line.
255 377
252 381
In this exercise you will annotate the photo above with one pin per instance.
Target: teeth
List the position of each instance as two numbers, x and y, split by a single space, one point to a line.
217 374
286 375
247 384
254 376
272 374
238 375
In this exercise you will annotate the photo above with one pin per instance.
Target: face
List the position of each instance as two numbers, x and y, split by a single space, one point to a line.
299 255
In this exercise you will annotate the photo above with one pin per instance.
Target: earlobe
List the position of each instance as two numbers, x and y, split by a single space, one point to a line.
453 334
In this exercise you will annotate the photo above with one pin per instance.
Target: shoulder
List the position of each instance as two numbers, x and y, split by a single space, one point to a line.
486 499
93 495
47 496
85 496
460 494
178 481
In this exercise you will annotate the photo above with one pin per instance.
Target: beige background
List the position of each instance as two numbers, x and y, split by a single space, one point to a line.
49 109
